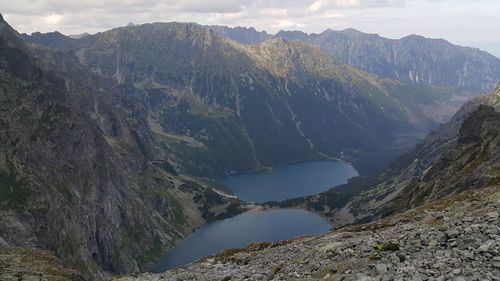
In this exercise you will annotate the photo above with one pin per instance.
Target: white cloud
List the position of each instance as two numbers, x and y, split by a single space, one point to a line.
288 24
317 5
212 6
348 3
53 19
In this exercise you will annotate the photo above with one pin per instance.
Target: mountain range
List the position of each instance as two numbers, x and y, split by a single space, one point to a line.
111 142
413 59
202 90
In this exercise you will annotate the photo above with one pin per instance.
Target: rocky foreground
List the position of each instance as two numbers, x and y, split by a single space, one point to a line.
456 238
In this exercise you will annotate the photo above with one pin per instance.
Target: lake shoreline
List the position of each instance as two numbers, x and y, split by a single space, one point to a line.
291 181
254 218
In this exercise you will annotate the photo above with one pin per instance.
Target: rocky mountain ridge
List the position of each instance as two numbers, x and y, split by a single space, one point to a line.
413 59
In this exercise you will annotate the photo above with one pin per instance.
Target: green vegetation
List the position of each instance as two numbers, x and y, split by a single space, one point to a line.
152 254
13 192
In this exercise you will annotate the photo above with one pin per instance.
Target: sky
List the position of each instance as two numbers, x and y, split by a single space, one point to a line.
474 23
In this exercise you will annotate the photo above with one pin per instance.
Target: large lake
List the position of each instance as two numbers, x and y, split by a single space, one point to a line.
258 226
239 231
290 181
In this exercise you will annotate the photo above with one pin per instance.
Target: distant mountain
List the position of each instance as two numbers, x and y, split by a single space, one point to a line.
462 154
81 172
412 59
78 36
54 39
243 35
237 107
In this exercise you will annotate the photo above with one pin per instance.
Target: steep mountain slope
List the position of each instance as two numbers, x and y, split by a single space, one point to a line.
461 154
81 173
413 59
236 108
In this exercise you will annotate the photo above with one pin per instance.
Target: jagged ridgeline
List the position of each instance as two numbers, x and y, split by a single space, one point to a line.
81 172
220 106
412 59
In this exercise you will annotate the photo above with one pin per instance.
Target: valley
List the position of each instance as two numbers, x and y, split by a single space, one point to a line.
181 151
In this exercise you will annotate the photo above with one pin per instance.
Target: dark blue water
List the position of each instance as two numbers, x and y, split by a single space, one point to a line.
239 231
279 184
290 181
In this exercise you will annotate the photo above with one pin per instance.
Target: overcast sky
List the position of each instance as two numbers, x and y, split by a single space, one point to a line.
474 23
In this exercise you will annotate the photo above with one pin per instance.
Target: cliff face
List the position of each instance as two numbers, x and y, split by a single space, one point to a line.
81 173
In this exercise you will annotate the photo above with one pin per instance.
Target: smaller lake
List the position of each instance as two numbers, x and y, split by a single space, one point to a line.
239 231
290 181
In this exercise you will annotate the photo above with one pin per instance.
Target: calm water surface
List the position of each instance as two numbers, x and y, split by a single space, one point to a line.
239 231
272 225
290 181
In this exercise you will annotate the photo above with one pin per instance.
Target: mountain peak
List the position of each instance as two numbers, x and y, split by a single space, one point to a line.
352 31
414 37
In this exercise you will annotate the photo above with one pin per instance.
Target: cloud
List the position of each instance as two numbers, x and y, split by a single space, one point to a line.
212 6
53 19
288 24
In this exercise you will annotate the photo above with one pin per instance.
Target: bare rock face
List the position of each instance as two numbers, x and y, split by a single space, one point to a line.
81 173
